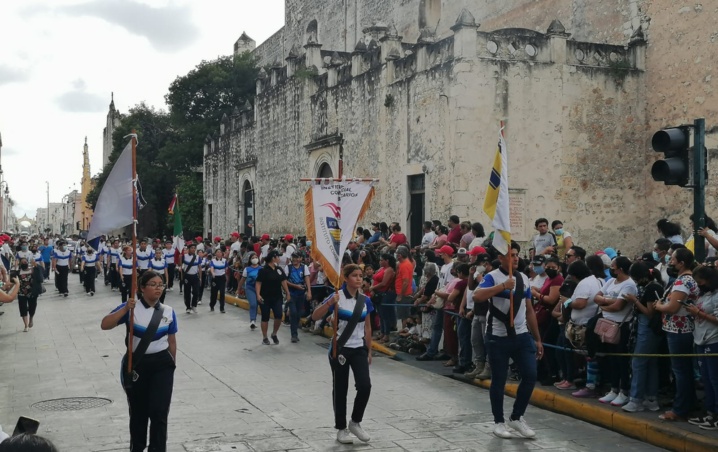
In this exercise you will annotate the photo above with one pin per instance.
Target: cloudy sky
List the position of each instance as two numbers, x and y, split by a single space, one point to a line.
61 59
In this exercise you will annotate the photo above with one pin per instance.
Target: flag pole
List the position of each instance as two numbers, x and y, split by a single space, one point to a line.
133 286
511 292
335 321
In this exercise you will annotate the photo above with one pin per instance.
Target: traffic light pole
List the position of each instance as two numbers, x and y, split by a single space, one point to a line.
699 188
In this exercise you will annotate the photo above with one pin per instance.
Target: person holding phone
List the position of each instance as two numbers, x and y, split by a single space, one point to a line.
679 325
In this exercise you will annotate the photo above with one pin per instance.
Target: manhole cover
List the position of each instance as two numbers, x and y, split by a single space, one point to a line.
71 404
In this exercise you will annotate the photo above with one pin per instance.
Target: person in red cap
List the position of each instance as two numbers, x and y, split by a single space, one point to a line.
200 244
264 246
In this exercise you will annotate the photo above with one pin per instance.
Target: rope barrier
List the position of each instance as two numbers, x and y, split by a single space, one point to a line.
635 355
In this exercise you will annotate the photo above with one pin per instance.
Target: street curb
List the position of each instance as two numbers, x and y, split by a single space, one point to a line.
661 434
328 331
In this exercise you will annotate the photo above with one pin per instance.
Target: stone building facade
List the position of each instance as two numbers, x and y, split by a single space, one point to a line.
412 93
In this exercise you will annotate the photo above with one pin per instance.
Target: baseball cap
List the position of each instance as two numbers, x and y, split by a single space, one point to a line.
461 251
606 259
611 253
446 249
288 237
198 239
475 251
539 259
265 237
218 239
235 234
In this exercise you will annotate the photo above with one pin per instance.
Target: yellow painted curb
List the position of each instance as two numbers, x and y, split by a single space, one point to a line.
328 331
661 434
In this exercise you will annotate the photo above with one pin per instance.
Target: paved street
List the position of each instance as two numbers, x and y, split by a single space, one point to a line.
233 394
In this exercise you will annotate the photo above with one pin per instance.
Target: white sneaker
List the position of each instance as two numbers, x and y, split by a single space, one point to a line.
521 427
359 432
608 398
620 400
194 310
651 405
344 437
501 431
633 406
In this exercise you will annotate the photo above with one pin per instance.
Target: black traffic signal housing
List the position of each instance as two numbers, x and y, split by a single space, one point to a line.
675 144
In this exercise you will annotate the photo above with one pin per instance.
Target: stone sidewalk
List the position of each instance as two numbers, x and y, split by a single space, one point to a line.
233 394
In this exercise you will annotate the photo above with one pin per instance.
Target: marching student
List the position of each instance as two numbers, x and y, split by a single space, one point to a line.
60 265
149 394
158 264
505 341
204 262
169 255
37 257
125 266
90 266
218 268
353 352
113 262
144 254
190 274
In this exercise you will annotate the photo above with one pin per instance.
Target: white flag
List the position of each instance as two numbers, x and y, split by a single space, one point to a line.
496 204
114 205
332 211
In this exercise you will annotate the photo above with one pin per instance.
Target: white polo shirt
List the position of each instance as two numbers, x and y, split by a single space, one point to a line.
142 316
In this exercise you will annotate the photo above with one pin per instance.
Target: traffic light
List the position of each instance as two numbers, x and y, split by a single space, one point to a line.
675 144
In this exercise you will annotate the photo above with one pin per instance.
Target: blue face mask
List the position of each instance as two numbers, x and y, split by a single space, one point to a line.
656 257
558 231
538 269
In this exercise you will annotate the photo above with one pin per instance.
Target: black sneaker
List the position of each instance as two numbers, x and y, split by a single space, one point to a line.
188 311
295 340
211 309
265 341
701 420
252 326
222 311
712 425
275 339
425 357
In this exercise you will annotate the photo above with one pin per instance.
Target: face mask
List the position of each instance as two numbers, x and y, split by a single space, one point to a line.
538 269
254 261
558 231
24 266
703 288
24 248
551 272
612 273
671 270
480 269
656 257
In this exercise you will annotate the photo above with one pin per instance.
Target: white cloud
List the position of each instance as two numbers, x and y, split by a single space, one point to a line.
78 100
12 75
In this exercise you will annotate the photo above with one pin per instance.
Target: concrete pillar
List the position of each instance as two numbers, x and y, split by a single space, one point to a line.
637 49
465 36
313 56
557 41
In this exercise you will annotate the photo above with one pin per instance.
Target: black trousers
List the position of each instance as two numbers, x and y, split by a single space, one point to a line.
46 271
164 291
126 287
218 288
115 280
90 273
82 277
357 359
149 402
191 290
27 305
170 275
61 278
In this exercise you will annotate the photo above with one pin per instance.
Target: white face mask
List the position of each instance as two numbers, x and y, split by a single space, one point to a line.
254 261
480 269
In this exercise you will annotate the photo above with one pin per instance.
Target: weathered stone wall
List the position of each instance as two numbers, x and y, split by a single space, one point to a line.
340 23
569 109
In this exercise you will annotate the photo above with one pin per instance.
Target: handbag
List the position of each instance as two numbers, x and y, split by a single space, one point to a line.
130 377
609 331
576 334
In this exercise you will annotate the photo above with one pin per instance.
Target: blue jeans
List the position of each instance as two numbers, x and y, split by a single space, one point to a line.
387 316
252 299
685 399
296 309
437 330
522 349
644 383
709 373
463 330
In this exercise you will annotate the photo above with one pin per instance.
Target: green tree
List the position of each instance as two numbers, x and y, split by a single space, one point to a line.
170 149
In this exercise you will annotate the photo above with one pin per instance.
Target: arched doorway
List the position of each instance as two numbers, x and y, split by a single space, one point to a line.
325 171
248 197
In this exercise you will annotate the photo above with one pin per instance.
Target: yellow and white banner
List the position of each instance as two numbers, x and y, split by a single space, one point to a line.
496 204
332 210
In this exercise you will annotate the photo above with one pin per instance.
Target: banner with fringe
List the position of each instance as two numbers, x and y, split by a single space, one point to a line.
332 211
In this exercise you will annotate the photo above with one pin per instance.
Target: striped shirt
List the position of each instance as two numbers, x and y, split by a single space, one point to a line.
62 257
143 258
219 266
142 316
